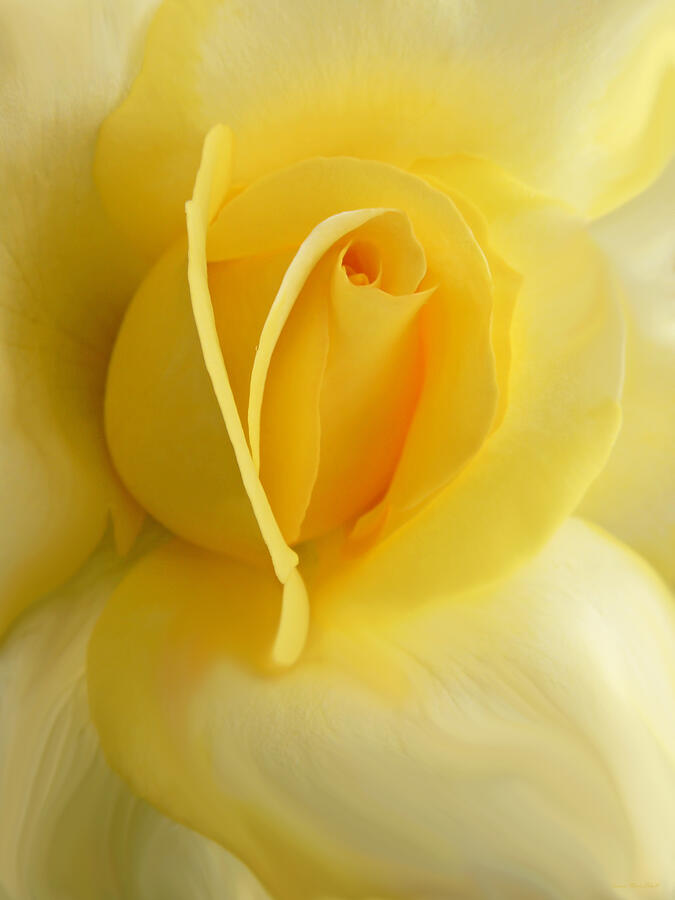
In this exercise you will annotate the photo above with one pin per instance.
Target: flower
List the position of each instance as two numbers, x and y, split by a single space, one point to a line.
323 300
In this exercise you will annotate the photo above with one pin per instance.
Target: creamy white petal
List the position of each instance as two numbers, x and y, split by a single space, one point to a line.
65 274
634 497
70 829
515 743
575 97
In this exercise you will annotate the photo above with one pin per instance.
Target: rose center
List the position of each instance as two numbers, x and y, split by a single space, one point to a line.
362 264
344 379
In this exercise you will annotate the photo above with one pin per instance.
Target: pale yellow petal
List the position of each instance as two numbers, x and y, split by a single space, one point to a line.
516 742
634 496
573 97
69 827
65 274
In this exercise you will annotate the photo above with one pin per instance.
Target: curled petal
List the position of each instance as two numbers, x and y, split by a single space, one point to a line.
211 186
560 420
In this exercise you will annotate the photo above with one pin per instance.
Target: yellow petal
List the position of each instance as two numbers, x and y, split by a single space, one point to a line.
164 428
560 420
70 826
283 414
371 384
331 375
127 517
65 275
291 350
517 741
242 292
576 100
634 496
505 284
181 450
209 192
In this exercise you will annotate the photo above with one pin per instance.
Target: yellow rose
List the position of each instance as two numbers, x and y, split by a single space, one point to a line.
310 302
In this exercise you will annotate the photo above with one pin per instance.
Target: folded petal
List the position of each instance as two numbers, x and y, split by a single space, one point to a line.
561 417
69 827
64 276
289 414
371 384
513 742
573 97
634 497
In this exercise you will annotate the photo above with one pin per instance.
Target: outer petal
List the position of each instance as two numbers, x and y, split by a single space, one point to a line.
69 828
512 743
573 97
635 495
64 275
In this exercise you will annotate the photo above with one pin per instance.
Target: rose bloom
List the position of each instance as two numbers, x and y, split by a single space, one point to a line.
338 369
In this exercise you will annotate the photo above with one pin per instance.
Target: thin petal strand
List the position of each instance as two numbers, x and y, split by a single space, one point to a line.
210 188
